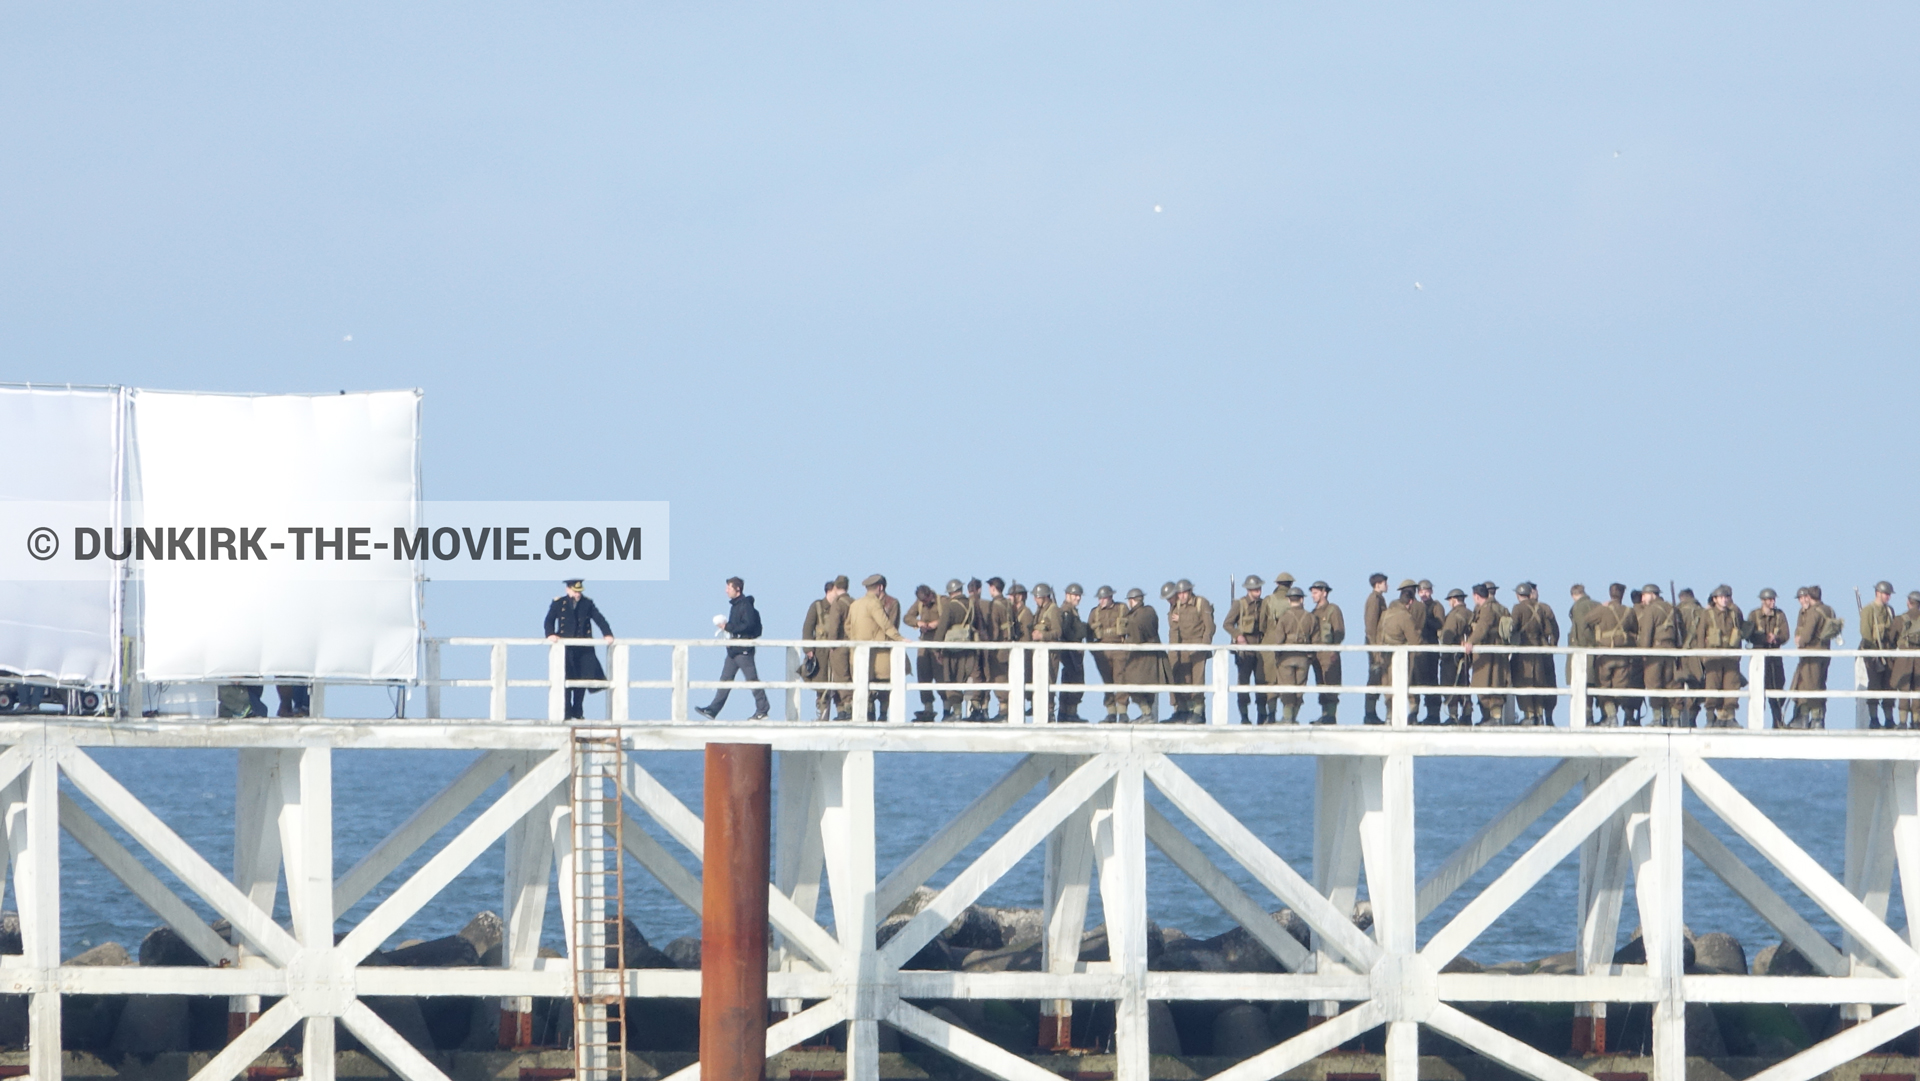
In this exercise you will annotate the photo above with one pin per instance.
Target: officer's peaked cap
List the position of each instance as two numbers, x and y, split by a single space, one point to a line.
575 583
872 580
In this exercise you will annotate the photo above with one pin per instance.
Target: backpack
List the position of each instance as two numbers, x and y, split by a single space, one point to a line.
1614 636
961 632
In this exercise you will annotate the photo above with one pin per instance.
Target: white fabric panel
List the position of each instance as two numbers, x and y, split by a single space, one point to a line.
61 444
261 459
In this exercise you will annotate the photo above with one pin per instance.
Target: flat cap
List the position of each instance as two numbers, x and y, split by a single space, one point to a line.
1074 590
1103 591
1253 582
954 585
1768 594
1184 585
1408 583
1722 590
1321 584
1136 594
872 580
1042 589
1283 578
1296 593
1883 587
841 582
1456 594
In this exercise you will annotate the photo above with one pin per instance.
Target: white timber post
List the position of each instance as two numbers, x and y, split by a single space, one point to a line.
862 680
798 856
1662 925
497 678
306 844
847 830
1336 859
795 657
433 679
1869 863
620 672
677 708
36 871
317 700
1042 684
556 682
529 867
1386 842
1402 708
256 854
1063 919
1121 842
1222 685
1906 840
1016 685
1757 690
1603 886
897 683
1578 707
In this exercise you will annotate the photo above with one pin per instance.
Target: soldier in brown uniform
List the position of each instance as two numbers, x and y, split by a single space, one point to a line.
1329 629
1370 613
1293 627
1424 668
1189 622
1815 629
1580 636
1721 627
1107 623
1070 664
1453 666
1906 670
1654 624
960 664
1274 607
927 614
1019 628
1877 632
980 609
1607 626
1400 625
1246 624
1689 672
1767 629
1047 627
819 615
872 619
1000 626
1492 667
1147 667
1534 624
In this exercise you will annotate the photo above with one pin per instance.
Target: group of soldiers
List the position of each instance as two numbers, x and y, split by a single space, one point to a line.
1486 669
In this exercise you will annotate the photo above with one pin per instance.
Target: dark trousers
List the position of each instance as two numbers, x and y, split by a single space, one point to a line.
1246 669
296 699
576 703
741 664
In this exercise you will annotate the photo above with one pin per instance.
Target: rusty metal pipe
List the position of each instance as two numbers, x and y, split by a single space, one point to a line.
733 913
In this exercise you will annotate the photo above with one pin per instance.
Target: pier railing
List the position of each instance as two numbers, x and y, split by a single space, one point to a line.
673 666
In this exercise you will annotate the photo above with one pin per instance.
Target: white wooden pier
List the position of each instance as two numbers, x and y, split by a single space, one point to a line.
1094 824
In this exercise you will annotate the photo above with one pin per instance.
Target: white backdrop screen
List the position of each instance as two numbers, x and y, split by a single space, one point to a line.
268 460
61 444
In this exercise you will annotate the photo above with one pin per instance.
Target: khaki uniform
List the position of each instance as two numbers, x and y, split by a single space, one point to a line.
1605 626
1190 624
1107 623
838 663
1400 626
962 665
1146 666
1453 632
1491 670
1655 624
1247 620
981 610
1765 631
1370 613
1689 672
1070 665
1329 629
1580 636
935 664
1815 628
1271 609
1534 624
1721 630
818 615
1424 668
1293 627
1019 628
1877 632
1047 627
1000 621
868 620
1906 670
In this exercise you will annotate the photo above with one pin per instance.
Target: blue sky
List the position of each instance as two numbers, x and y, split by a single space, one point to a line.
1109 293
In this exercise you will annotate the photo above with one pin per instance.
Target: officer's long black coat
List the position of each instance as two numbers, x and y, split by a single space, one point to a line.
569 618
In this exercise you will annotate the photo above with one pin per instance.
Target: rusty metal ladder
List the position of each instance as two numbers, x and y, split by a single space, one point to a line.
598 948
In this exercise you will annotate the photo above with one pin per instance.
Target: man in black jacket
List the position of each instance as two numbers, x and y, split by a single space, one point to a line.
743 621
574 615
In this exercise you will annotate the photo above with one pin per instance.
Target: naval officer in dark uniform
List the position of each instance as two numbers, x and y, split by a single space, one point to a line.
574 615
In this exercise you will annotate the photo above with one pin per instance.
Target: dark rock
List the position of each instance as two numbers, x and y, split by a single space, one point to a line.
162 947
945 1013
974 929
915 901
1703 1032
1190 956
1241 1032
934 956
685 951
151 1024
403 1014
87 1022
1363 915
450 1017
1285 1020
484 932
206 1023
1462 964
1758 1029
105 955
13 1020
1193 1020
662 1024
648 957
452 951
1162 1037
10 933
1093 944
1635 952
1559 964
483 1025
1013 1026
1721 953
1781 959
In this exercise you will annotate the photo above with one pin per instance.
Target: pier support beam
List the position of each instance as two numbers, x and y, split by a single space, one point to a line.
733 913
